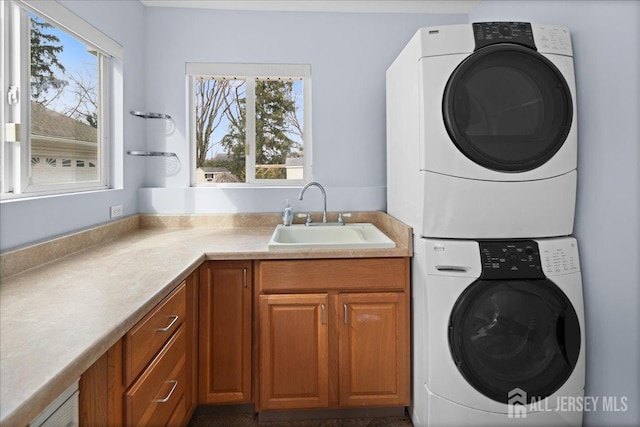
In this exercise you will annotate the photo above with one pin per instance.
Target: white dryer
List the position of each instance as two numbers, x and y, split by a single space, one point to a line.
482 131
498 333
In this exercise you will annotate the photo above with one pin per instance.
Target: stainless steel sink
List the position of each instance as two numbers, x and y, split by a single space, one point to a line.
348 236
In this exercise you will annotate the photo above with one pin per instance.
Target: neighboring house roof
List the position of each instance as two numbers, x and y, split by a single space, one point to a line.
54 135
214 169
294 161
49 123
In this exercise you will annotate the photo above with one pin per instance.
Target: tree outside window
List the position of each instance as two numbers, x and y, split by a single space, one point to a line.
232 114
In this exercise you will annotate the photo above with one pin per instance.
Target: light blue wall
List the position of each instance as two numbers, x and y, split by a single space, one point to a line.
605 38
349 54
27 221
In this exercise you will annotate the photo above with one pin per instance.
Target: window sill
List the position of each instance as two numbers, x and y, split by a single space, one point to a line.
280 184
12 198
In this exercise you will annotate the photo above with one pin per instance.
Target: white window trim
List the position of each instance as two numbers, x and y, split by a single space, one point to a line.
110 133
251 72
64 18
3 71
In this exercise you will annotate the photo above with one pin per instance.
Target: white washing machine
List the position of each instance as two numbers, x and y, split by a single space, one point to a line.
498 333
482 132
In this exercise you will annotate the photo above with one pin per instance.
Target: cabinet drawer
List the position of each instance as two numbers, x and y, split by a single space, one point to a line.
390 274
179 417
144 340
152 399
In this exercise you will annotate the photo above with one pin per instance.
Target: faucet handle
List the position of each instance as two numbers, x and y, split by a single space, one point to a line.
341 217
305 215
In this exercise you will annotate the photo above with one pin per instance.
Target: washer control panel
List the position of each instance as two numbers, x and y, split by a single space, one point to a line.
488 33
514 259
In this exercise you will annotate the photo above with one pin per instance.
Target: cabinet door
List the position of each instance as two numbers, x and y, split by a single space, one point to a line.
294 354
374 349
225 332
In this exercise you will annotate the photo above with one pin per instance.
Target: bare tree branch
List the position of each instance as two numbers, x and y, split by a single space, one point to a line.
211 105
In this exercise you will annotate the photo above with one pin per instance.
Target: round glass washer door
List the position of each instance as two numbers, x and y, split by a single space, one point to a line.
507 108
508 334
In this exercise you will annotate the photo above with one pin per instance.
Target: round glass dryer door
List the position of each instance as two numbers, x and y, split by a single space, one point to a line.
507 334
507 108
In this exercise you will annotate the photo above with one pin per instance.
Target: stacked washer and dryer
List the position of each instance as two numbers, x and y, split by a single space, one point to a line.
481 162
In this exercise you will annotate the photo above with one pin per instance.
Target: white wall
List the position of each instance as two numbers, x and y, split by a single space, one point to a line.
27 221
605 38
348 53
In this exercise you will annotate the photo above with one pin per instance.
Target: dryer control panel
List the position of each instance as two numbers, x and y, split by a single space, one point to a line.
517 259
488 33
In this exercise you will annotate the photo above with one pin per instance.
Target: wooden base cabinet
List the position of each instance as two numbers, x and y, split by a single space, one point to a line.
147 378
339 336
328 334
225 332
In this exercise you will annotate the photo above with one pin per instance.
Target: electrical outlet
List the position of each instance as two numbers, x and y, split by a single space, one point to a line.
116 211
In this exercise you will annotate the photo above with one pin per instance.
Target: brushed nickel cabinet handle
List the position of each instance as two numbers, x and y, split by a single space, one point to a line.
345 309
166 399
322 319
244 277
174 319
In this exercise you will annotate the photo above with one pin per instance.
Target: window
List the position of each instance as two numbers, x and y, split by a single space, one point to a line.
250 123
57 92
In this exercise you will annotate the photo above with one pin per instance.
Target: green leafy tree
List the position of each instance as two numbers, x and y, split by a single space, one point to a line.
274 106
234 141
45 48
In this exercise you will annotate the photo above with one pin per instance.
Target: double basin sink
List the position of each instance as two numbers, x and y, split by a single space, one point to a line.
347 236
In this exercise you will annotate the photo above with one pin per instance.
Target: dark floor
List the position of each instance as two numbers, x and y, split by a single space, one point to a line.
251 420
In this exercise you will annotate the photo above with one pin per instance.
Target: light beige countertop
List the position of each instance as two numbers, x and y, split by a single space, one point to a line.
58 318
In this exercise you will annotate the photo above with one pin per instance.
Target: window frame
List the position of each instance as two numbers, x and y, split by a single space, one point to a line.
250 73
16 156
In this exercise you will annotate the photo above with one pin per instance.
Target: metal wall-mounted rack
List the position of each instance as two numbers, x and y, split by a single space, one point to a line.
147 115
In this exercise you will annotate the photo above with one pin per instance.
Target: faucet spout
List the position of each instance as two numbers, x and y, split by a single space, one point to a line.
324 198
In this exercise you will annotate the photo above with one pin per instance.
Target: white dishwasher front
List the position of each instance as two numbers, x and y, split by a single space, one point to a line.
62 412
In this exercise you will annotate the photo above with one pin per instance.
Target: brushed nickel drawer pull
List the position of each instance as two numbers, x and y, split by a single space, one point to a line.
174 319
322 314
166 399
244 277
345 313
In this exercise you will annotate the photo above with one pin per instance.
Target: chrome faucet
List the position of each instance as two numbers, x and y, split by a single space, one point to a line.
324 199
